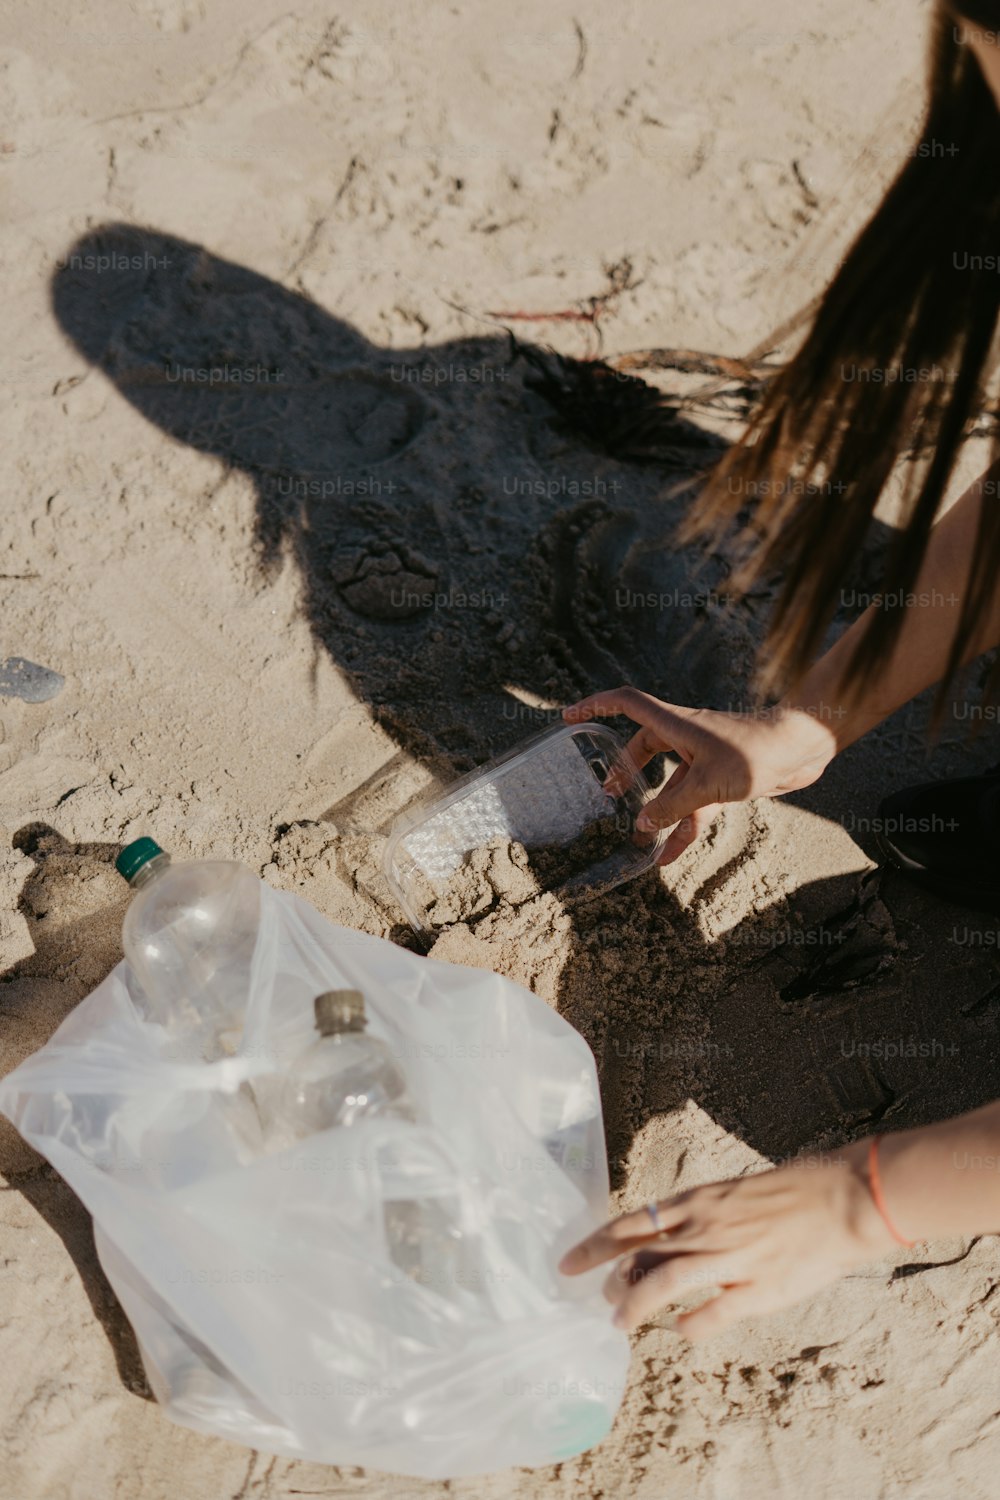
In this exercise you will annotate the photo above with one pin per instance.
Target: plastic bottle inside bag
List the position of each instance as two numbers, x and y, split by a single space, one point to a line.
189 936
347 1076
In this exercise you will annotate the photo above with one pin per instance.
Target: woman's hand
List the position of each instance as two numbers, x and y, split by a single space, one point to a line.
726 757
767 1240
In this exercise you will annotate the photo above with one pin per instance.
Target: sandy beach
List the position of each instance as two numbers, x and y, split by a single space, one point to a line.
288 514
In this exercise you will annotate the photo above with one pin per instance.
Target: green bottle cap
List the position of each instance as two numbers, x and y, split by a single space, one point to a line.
135 855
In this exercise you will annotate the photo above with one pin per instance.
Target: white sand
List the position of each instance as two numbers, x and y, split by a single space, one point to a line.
394 163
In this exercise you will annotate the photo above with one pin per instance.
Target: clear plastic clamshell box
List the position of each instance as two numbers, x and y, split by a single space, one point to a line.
543 794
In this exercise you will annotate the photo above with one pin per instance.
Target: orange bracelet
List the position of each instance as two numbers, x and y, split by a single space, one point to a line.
875 1184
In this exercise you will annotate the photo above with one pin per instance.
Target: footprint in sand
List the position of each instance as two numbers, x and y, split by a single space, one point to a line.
389 583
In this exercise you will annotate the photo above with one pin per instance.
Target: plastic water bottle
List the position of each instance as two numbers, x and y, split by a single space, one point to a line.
347 1076
344 1075
189 936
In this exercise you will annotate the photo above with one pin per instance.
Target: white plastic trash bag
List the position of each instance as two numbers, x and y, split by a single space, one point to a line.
259 1284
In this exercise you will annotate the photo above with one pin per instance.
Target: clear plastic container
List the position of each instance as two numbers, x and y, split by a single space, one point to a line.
546 794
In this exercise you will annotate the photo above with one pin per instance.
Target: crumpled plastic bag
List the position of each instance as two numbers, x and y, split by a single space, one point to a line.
260 1287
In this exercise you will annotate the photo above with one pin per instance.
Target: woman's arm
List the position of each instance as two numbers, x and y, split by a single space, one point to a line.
920 657
774 1237
943 1179
728 757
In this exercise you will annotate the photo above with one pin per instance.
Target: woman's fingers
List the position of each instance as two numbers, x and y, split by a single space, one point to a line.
637 1264
686 831
639 752
622 1234
648 819
685 793
641 1292
675 778
732 1304
691 797
630 1270
664 726
622 700
642 710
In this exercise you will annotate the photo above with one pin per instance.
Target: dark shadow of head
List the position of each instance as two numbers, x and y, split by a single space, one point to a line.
458 553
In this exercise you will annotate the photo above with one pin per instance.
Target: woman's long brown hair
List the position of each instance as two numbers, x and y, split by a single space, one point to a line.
894 364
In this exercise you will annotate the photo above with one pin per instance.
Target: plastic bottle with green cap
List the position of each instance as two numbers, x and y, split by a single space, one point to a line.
189 937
